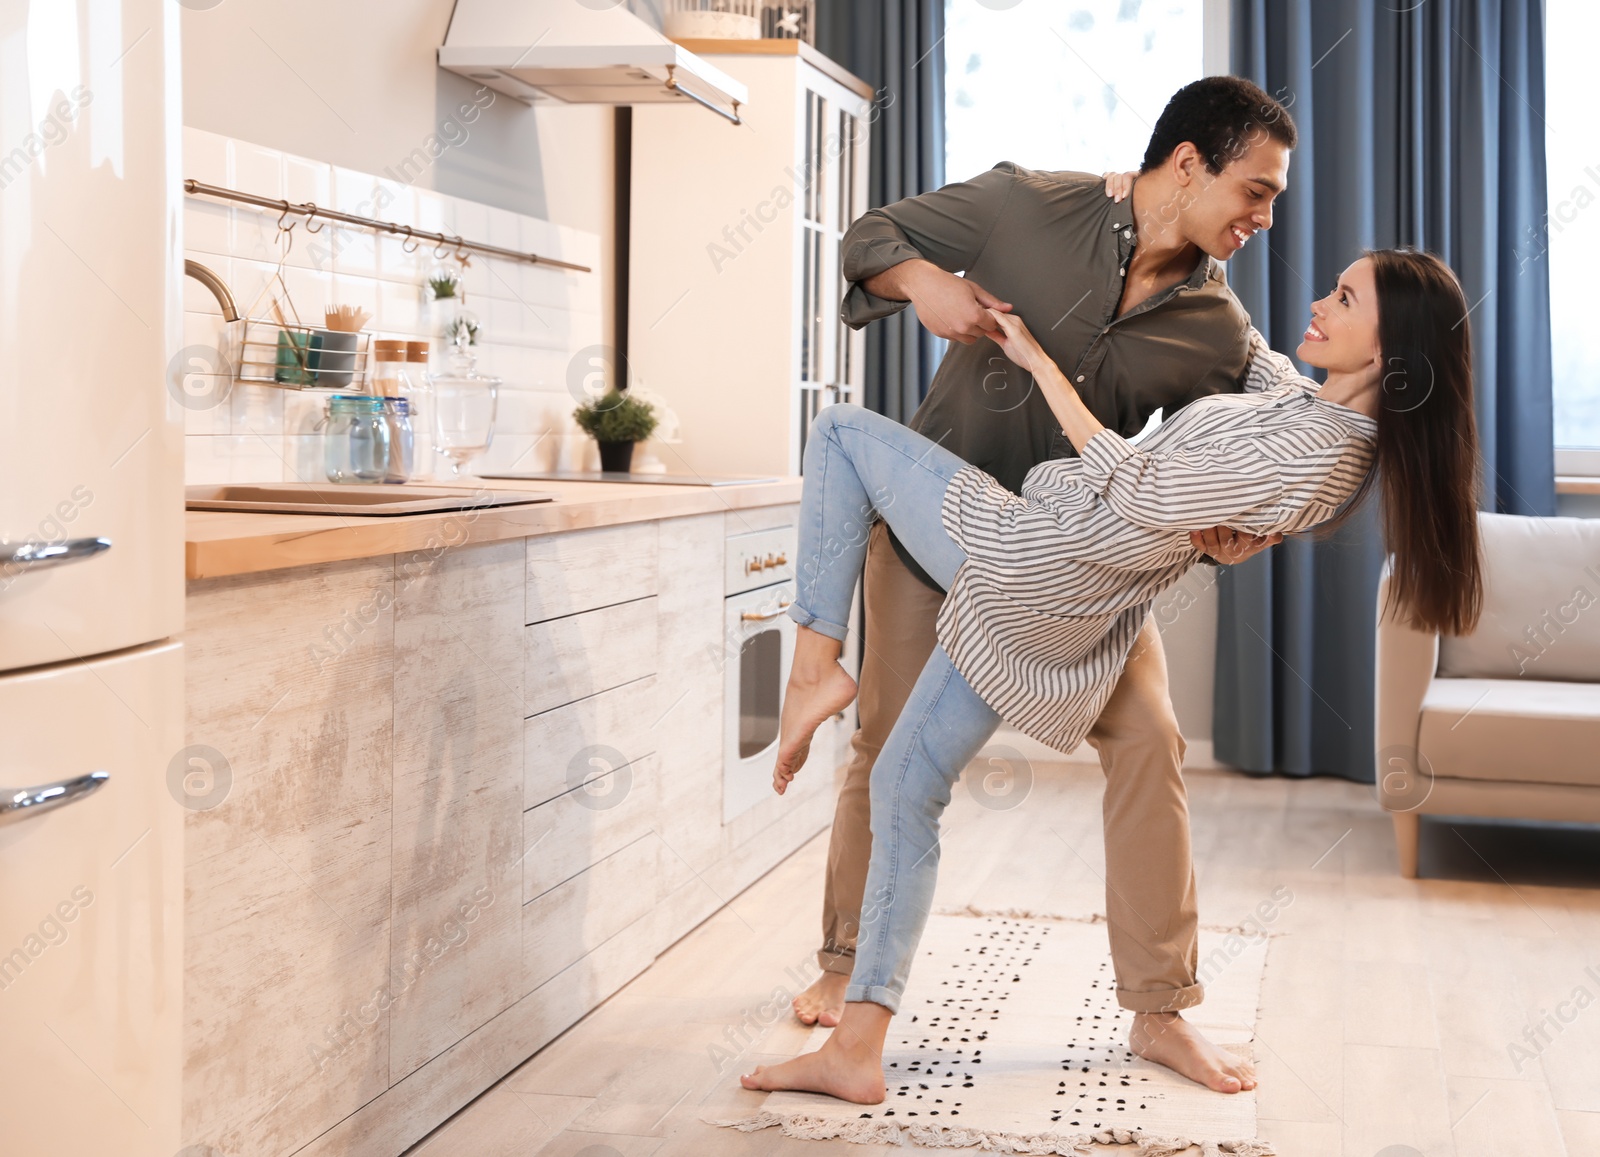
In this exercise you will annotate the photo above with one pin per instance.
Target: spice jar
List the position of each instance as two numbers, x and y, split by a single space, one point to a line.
397 416
416 390
388 356
355 447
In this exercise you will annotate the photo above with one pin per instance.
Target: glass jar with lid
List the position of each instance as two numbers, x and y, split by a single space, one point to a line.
415 389
397 416
464 403
356 439
388 360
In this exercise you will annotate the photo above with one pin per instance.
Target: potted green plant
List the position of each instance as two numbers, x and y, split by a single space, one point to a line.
616 421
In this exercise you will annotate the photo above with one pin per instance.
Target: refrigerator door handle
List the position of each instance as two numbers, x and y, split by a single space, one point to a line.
34 556
23 803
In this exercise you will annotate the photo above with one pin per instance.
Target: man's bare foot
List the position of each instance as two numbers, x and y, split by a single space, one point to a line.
1167 1039
823 1002
849 1075
807 702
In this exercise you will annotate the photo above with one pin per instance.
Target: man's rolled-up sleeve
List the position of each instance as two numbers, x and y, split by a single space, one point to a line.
948 227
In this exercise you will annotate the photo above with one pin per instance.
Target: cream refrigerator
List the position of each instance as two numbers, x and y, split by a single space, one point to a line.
91 579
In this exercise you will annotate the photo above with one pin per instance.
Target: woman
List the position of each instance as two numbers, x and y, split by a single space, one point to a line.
1048 590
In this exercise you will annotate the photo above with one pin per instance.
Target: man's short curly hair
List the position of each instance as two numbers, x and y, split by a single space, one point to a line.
1222 116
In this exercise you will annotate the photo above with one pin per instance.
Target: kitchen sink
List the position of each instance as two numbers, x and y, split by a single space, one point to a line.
304 498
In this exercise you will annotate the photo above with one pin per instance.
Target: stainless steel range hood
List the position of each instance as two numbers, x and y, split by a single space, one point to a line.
579 52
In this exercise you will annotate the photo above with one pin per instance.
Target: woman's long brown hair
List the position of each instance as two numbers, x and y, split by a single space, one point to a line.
1426 462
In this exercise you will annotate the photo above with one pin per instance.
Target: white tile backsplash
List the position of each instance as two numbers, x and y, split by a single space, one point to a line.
534 319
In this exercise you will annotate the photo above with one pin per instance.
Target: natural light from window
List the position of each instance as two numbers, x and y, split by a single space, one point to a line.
1062 85
1573 160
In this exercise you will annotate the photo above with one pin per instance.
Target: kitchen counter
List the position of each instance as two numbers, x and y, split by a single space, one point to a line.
454 780
227 543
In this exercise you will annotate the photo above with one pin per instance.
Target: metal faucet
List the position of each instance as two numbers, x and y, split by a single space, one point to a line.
211 281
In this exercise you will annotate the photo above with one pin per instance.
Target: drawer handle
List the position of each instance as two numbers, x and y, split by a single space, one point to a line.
39 555
24 803
766 616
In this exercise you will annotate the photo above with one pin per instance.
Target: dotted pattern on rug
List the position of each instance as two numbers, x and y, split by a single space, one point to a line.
941 1038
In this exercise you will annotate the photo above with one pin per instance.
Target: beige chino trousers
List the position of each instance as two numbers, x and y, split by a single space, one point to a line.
1150 889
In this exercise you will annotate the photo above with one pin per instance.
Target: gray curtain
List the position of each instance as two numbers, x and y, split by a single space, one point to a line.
1425 127
897 46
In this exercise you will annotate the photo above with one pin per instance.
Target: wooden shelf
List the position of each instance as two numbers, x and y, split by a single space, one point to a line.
781 47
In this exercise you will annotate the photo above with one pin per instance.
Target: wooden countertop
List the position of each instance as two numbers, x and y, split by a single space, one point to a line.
225 543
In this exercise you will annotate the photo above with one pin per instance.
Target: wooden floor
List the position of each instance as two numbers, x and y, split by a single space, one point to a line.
1388 1010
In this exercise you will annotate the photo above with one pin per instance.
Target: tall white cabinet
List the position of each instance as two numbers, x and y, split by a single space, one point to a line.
735 233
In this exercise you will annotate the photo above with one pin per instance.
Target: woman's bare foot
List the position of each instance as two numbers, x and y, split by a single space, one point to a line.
816 691
823 1002
851 1075
1167 1039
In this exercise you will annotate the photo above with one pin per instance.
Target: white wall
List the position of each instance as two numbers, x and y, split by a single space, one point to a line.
322 99
355 83
534 318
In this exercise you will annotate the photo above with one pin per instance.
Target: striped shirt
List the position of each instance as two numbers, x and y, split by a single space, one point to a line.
1058 580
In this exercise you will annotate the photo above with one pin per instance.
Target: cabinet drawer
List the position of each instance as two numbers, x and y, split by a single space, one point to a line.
585 569
572 919
618 721
574 657
577 830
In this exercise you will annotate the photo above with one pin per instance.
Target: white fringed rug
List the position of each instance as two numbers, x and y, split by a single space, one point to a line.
1010 1040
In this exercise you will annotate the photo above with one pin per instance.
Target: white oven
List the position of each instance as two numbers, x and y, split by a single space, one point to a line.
758 636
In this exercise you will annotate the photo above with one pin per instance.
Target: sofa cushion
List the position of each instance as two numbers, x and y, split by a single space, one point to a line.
1541 606
1522 730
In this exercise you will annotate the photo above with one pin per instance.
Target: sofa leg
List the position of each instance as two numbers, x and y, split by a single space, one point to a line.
1407 830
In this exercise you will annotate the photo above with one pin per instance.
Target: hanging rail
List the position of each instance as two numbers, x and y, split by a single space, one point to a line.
310 211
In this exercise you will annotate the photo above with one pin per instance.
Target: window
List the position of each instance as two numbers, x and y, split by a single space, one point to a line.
1571 240
1074 85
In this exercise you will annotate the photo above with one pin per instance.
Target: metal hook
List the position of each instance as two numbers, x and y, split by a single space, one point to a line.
310 210
287 209
440 252
461 251
413 245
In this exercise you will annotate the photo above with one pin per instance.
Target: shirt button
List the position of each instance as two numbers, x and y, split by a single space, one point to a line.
1122 273
1080 377
1127 234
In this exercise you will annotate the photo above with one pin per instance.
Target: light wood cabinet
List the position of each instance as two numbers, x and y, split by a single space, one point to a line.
456 851
410 888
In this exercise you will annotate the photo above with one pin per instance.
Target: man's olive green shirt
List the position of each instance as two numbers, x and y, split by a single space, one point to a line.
1057 249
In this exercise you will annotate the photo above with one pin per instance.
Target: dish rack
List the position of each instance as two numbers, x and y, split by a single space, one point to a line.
285 352
295 356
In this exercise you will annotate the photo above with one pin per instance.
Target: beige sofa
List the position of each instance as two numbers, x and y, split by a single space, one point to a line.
1505 721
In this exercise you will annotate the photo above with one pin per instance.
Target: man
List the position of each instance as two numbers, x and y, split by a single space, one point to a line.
1127 295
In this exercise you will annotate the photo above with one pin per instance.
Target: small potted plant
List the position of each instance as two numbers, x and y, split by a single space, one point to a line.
443 282
616 421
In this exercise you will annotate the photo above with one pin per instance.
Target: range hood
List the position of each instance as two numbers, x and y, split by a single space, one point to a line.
579 52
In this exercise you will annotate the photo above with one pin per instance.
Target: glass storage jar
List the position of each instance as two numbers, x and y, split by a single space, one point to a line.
356 439
402 446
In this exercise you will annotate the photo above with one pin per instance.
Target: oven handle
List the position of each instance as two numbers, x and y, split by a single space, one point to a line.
766 616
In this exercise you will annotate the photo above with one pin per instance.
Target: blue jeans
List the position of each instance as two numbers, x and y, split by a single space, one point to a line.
859 465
